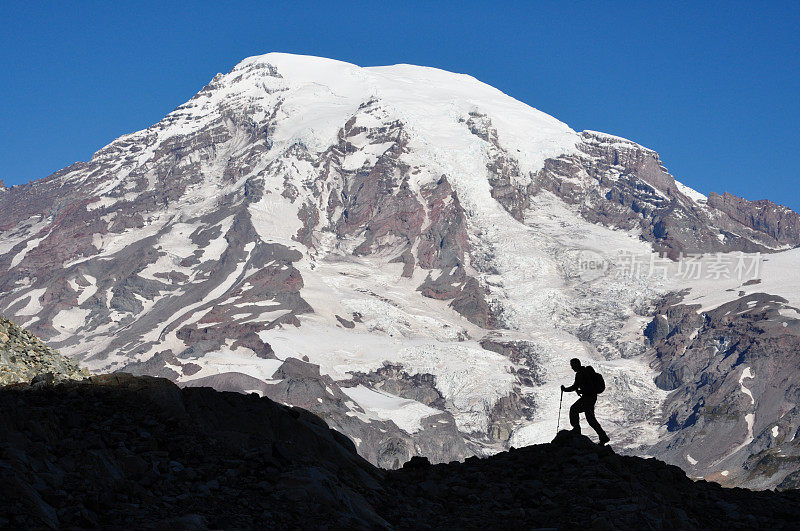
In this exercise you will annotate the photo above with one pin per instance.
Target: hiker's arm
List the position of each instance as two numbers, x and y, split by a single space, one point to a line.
572 387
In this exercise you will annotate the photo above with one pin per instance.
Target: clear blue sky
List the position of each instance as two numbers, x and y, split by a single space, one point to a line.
714 89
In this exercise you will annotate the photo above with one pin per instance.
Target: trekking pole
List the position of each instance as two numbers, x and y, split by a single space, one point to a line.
558 427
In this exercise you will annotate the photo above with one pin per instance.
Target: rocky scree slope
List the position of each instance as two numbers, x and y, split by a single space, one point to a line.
23 358
394 248
119 450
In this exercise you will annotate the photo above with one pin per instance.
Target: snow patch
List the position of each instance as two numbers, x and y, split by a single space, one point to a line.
29 245
68 322
777 273
407 414
87 292
692 194
746 373
34 305
228 359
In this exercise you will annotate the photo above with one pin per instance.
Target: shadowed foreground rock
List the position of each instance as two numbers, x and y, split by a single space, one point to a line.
123 451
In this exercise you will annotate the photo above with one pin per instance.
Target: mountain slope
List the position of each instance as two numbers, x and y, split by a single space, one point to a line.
407 252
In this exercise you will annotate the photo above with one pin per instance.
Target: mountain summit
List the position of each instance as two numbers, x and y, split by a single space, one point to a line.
414 256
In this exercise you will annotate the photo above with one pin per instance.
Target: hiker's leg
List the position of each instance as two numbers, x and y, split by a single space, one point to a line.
590 418
576 408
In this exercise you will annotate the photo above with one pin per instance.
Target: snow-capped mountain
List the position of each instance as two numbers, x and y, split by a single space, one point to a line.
415 256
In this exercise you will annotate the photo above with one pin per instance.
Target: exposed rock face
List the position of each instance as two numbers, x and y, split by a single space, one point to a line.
522 352
116 450
394 380
619 183
778 222
733 413
398 249
24 358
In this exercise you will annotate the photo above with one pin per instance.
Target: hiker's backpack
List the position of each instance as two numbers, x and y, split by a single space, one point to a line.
596 380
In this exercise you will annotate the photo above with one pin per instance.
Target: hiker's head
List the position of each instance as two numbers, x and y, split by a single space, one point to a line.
575 363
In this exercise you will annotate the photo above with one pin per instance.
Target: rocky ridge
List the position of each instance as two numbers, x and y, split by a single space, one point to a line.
618 183
779 222
118 450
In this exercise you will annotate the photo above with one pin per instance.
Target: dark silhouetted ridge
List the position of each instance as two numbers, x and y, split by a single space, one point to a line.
123 451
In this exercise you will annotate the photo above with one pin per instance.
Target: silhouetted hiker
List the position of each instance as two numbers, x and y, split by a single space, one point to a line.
588 384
